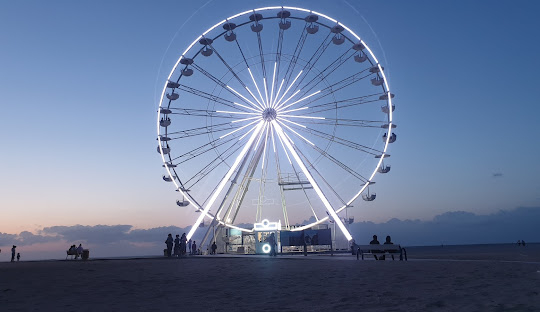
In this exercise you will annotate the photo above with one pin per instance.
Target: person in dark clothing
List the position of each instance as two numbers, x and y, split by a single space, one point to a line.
193 248
388 240
272 243
373 251
13 253
214 247
177 246
169 242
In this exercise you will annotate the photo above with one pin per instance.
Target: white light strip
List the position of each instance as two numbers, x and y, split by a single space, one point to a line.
245 134
241 113
287 100
265 142
273 140
304 98
221 137
224 181
305 117
250 118
313 184
298 134
267 103
253 95
250 108
277 94
256 86
281 141
259 140
294 123
294 110
243 97
289 88
273 81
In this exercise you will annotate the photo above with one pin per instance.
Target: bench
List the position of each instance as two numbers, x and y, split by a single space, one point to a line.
379 251
84 255
71 253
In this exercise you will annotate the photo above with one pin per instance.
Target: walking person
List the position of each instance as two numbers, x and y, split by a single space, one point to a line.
189 246
193 248
169 242
272 243
13 249
214 247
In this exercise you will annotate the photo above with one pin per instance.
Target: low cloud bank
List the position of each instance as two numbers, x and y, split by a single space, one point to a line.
457 227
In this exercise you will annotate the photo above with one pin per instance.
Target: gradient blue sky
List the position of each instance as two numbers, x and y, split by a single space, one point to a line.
79 85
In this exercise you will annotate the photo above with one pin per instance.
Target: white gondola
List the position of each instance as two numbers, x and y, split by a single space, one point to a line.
312 29
385 96
384 108
182 203
230 37
377 81
337 40
165 122
167 178
285 25
392 138
207 51
173 96
166 150
187 72
369 197
384 169
165 111
360 58
172 84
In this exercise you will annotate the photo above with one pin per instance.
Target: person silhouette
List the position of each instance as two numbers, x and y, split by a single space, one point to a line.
169 242
13 249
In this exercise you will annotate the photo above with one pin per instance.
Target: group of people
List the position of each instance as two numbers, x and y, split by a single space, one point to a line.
180 246
521 242
375 241
77 251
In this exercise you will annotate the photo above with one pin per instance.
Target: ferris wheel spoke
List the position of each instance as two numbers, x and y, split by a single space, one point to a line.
211 97
204 113
201 130
198 151
333 105
225 179
295 55
283 106
326 72
312 181
339 140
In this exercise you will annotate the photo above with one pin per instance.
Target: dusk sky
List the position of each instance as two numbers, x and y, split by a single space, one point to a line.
80 86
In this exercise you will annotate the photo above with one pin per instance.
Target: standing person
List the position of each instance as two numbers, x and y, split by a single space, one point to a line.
18 256
169 242
214 247
183 242
177 246
193 248
189 246
13 253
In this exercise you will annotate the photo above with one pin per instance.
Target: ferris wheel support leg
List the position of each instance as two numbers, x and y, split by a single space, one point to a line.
319 192
225 180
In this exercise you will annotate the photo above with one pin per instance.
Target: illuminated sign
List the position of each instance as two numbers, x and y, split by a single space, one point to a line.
266 225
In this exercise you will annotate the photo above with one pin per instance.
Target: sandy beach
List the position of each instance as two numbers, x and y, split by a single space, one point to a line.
287 283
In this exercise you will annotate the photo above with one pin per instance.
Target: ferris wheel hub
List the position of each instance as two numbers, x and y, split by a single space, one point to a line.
269 114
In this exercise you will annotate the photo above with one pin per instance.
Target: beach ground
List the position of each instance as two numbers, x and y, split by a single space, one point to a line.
287 283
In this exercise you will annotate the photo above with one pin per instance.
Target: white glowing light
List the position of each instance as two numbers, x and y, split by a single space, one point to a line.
250 108
266 92
293 110
245 134
284 149
289 87
273 140
265 142
236 130
305 117
250 118
294 123
277 94
253 95
273 81
266 225
287 100
256 86
298 134
304 98
266 248
224 181
243 97
240 113
313 183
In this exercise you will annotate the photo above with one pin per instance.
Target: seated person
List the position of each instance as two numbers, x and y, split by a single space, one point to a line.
71 249
79 251
388 240
375 242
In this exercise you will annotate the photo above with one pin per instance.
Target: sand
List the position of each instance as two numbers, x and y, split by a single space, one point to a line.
258 283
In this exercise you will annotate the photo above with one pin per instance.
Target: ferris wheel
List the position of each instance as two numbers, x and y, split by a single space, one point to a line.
276 113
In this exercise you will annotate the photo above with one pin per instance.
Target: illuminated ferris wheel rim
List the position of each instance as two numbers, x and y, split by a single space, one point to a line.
205 212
